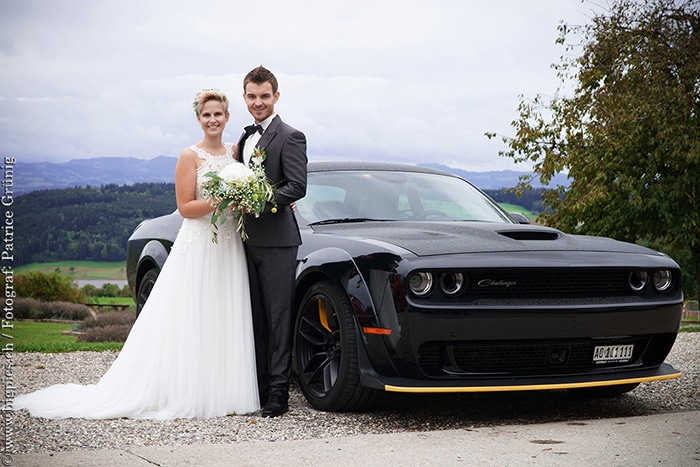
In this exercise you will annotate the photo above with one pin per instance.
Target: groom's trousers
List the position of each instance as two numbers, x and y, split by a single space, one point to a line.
271 273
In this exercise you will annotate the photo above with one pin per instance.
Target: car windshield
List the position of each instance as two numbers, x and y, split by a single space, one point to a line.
348 196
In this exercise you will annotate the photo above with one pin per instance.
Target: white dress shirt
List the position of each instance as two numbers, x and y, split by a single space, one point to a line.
253 139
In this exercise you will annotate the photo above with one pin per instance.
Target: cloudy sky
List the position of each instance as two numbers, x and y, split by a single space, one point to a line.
391 80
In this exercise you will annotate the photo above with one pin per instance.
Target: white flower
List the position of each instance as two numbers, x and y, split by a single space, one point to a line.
235 172
239 189
258 156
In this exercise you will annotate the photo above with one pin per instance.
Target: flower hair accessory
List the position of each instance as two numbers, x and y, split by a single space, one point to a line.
198 96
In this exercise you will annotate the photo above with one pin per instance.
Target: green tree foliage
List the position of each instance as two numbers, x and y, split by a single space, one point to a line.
91 224
106 290
530 199
629 137
52 287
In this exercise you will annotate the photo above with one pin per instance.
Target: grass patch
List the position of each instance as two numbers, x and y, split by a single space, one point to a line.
32 336
126 301
516 208
80 270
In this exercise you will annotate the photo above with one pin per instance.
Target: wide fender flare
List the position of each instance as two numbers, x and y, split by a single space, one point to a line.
340 267
153 252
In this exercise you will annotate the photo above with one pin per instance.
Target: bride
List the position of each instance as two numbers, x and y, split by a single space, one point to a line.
191 352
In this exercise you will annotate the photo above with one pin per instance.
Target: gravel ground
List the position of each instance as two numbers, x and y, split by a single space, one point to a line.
398 413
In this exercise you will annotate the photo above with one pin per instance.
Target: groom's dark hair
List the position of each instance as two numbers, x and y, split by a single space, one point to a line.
260 75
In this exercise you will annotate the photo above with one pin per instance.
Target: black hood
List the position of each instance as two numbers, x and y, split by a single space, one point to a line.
440 238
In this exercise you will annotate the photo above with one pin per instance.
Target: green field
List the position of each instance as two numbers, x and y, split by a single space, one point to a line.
516 208
30 336
80 270
119 301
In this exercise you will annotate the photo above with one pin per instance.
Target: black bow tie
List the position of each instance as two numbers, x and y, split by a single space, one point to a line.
250 129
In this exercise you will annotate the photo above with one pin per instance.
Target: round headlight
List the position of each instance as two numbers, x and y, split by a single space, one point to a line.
420 283
662 280
451 283
638 280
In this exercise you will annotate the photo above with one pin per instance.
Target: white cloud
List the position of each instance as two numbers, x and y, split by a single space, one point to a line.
410 80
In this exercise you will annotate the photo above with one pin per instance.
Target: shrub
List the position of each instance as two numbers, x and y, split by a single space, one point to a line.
109 333
106 290
31 308
27 308
65 310
47 287
107 327
89 290
117 318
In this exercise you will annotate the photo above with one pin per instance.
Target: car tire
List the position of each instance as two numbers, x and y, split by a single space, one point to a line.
325 351
599 392
145 287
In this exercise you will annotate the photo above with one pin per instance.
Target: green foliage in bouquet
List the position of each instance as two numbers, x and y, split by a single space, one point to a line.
239 189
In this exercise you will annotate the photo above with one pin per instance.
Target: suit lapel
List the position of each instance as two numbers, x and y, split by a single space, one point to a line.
264 140
270 132
241 145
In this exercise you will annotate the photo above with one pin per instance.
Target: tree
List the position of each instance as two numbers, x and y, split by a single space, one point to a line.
629 137
47 287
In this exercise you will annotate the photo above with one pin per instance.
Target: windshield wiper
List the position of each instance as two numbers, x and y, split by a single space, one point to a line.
344 220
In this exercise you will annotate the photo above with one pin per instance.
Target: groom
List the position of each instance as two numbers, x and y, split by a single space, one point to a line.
274 238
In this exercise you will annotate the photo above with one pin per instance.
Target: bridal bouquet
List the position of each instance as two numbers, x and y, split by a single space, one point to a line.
243 188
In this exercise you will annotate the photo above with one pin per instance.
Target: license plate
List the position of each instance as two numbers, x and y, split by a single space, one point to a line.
613 353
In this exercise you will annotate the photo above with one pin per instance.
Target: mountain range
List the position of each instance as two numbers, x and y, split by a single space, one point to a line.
99 171
95 172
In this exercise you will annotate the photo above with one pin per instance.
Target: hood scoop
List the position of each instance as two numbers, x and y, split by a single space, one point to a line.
536 235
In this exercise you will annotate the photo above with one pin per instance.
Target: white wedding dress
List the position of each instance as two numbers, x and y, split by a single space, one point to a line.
191 352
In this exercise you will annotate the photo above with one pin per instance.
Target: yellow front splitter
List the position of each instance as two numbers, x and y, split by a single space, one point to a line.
531 387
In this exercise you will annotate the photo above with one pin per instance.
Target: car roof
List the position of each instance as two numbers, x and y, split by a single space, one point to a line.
380 166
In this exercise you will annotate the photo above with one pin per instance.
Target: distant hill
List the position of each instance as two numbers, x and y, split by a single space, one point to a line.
99 171
496 180
95 172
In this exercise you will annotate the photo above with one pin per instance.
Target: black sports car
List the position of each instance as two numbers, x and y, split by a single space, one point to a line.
412 280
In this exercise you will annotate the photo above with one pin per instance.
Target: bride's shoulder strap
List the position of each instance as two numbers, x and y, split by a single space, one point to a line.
201 153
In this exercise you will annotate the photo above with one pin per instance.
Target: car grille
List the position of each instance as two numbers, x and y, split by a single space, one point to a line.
486 283
519 358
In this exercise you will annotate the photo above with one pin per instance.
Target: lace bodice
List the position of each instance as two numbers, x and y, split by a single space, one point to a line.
194 228
211 162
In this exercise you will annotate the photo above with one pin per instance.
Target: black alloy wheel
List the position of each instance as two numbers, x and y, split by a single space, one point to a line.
325 348
145 287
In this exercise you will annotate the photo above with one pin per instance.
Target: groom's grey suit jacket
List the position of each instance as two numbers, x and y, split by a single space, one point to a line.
285 166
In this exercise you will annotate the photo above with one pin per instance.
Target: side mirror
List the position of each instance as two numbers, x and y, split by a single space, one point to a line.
519 218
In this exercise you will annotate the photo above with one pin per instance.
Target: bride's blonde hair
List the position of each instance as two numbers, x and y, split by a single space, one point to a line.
206 95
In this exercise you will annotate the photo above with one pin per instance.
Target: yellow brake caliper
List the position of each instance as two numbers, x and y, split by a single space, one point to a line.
322 315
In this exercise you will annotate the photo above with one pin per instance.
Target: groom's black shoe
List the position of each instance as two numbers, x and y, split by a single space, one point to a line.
276 406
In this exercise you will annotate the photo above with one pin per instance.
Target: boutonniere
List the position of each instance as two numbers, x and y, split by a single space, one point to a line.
256 160
258 156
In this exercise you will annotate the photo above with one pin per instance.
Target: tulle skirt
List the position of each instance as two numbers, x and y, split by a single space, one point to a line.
190 353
